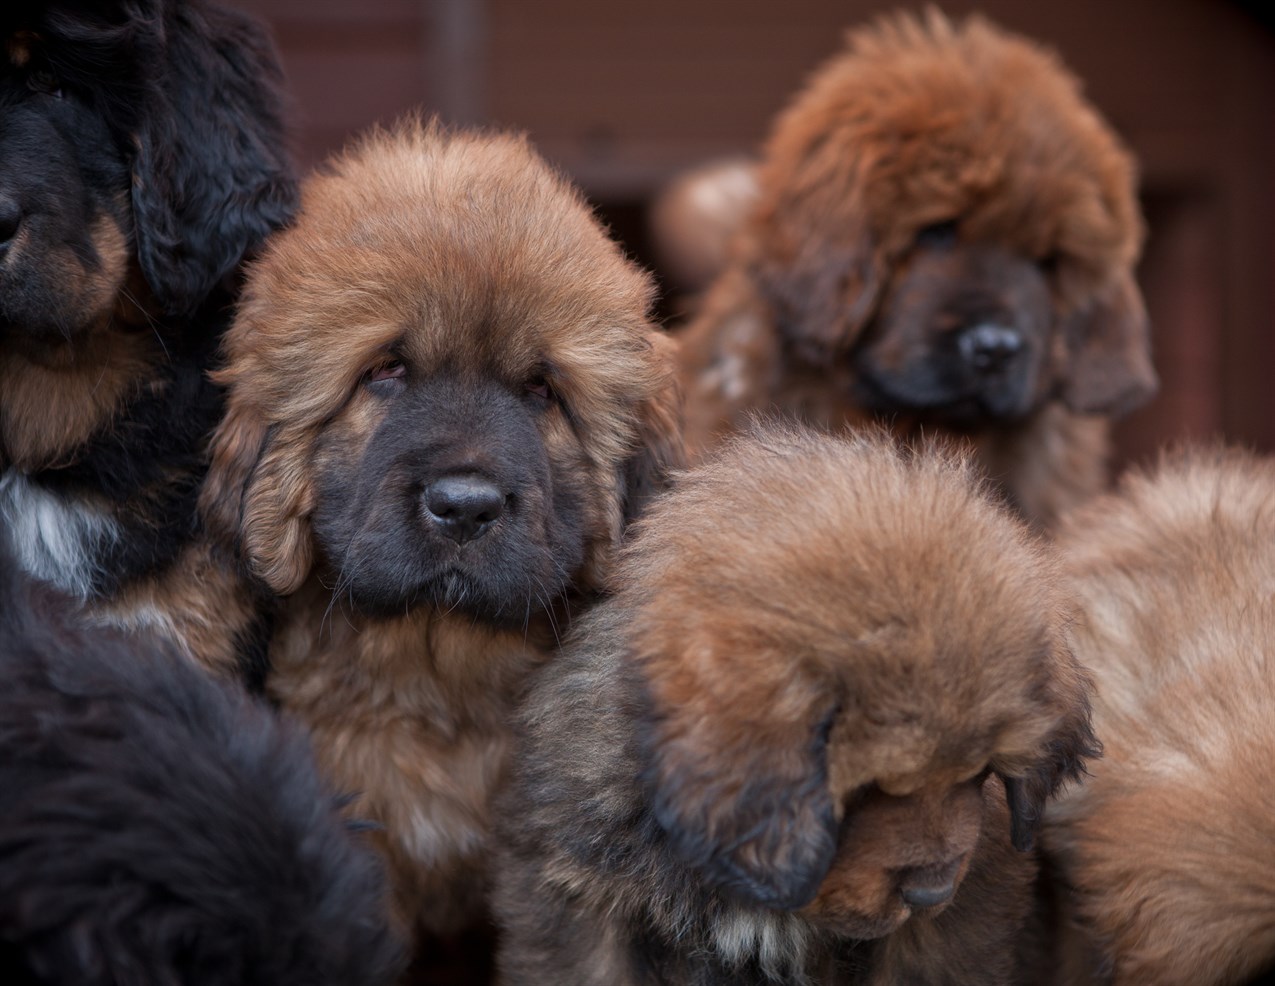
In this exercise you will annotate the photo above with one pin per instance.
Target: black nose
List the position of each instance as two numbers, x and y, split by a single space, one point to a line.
463 507
929 887
10 219
987 347
916 897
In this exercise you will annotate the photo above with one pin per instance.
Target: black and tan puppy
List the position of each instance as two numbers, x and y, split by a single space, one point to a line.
942 238
445 398
782 750
1165 855
141 156
160 827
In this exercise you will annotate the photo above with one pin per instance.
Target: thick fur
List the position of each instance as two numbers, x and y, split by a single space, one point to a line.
1165 853
824 663
159 827
943 239
141 156
445 306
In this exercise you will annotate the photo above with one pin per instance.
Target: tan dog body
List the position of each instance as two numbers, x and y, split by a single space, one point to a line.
943 239
444 399
1166 851
777 753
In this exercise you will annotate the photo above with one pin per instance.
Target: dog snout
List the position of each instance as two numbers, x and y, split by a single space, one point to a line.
10 219
922 887
463 507
989 346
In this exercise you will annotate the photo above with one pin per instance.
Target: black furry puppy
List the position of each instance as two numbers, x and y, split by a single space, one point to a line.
141 158
159 827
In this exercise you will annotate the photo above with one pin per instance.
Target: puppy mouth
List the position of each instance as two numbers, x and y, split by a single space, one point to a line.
1004 400
930 889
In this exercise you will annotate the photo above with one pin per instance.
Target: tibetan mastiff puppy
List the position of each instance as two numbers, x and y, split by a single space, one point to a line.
802 740
943 239
141 156
1165 854
444 400
157 826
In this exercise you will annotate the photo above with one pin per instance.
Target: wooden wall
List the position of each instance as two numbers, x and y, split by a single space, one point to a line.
625 94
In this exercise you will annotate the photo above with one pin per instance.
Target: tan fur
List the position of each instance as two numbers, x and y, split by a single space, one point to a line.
821 658
1167 848
54 397
694 218
461 251
200 602
922 122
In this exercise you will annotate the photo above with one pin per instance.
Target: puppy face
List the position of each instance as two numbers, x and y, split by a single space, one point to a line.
962 332
443 389
64 219
850 654
942 212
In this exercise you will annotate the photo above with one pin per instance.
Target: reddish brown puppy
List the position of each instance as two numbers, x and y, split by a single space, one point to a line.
444 400
782 751
1165 852
943 239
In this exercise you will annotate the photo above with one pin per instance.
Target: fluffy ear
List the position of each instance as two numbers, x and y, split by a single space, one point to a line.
659 439
1109 367
211 176
1063 758
258 497
823 292
741 789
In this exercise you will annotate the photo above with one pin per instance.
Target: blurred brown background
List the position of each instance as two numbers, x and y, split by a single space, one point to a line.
624 95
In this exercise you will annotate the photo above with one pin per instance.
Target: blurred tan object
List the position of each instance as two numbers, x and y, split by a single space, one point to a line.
694 217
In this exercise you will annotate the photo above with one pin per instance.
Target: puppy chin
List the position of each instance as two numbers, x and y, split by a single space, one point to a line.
860 927
500 604
955 403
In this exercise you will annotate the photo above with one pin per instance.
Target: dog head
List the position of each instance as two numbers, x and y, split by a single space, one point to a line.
442 384
941 211
122 179
846 649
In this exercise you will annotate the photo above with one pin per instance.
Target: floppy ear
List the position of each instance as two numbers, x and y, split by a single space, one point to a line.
1109 367
257 496
823 292
659 433
1063 757
211 176
741 789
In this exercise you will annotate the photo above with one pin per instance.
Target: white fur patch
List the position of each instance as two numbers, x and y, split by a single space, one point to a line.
53 539
778 941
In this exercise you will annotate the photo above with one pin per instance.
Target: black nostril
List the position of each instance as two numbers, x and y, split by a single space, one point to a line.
924 895
10 218
988 347
463 507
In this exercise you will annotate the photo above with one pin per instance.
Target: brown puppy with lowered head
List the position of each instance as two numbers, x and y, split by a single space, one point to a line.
1165 853
444 398
943 238
782 750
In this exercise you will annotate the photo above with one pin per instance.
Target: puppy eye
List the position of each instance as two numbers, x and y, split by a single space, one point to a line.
44 81
1050 262
538 386
937 236
386 375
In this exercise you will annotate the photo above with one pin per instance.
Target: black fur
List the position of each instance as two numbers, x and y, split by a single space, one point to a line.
159 827
377 536
160 119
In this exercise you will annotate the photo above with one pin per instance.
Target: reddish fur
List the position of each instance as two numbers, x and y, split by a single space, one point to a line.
920 122
1165 850
465 249
816 649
